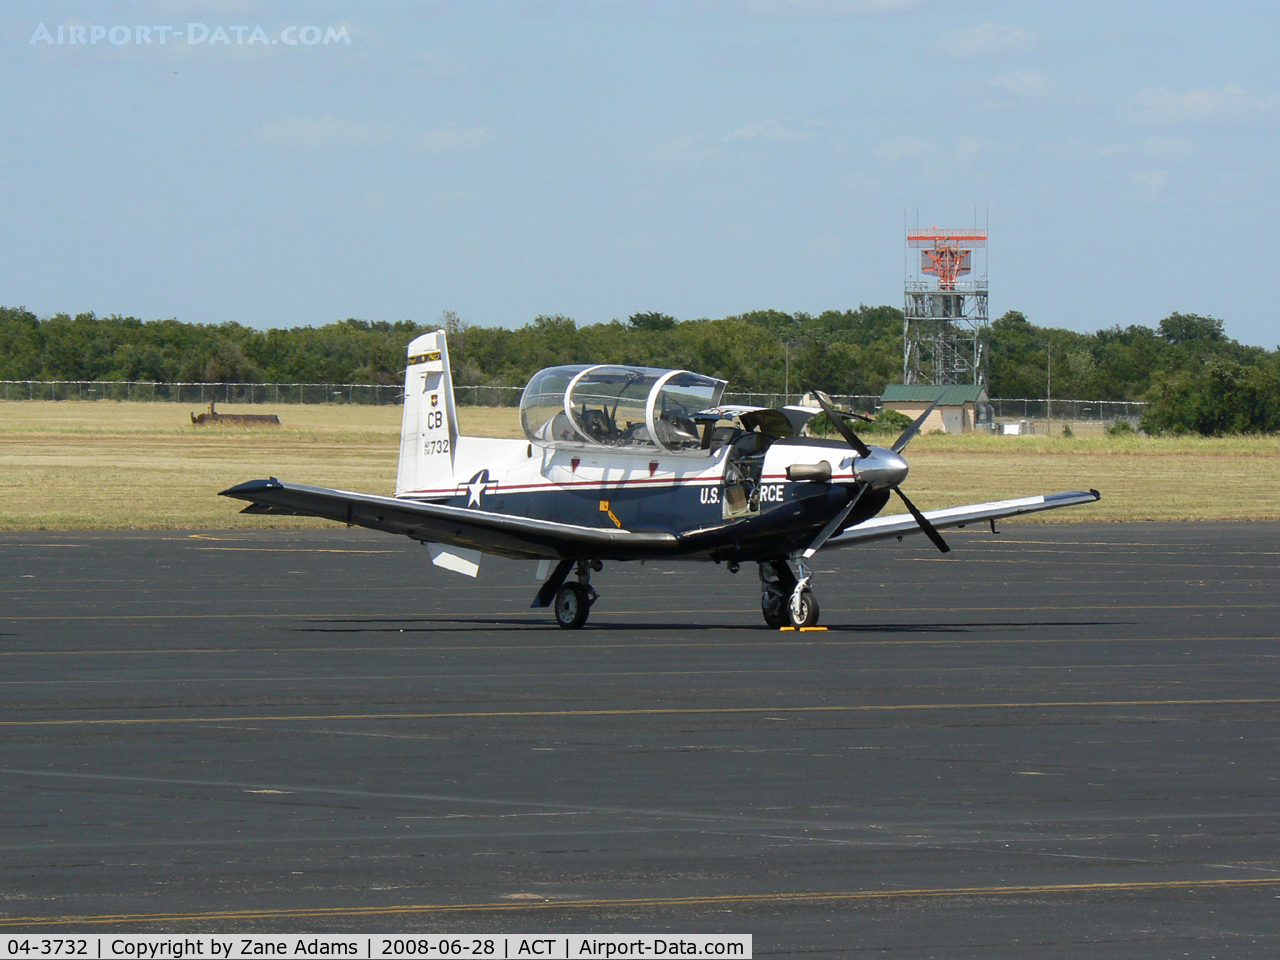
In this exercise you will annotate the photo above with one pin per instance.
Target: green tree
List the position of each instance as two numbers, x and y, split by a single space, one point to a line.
1222 396
651 321
1189 328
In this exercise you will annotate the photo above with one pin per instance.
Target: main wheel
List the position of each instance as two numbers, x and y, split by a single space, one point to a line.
808 611
573 603
774 609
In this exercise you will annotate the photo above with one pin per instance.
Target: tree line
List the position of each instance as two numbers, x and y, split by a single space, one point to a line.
1197 378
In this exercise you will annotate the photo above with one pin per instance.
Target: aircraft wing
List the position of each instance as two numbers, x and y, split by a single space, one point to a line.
881 528
508 536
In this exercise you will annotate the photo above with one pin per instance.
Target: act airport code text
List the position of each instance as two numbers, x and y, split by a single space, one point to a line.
488 947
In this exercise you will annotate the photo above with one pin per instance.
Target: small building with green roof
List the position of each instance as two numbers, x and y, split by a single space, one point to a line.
961 406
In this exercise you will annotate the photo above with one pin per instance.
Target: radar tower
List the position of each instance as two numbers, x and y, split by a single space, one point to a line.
944 326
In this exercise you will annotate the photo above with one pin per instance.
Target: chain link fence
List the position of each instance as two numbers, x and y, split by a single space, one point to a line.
859 403
202 393
1005 409
1081 410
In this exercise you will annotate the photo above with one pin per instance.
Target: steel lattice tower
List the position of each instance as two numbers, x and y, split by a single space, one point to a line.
944 327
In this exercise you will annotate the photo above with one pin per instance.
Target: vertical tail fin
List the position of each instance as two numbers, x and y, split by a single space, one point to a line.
429 432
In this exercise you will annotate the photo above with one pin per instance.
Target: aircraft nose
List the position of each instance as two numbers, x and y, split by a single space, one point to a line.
882 470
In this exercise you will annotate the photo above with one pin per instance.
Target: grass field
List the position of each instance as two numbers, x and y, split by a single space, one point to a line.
109 465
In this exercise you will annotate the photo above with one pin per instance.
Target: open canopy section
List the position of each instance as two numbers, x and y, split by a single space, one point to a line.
617 406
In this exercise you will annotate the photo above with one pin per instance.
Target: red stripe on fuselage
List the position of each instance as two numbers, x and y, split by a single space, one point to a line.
602 484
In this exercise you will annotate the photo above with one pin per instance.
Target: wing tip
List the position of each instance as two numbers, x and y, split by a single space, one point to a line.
1073 496
241 490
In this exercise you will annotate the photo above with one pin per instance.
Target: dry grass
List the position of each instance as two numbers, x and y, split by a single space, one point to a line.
1141 478
109 465
104 465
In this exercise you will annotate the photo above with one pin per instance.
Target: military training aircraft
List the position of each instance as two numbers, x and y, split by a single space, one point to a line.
634 463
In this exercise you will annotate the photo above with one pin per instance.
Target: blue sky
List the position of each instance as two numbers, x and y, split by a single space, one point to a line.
505 160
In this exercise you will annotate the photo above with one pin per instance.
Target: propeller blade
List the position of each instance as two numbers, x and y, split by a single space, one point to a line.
901 443
834 524
929 529
851 438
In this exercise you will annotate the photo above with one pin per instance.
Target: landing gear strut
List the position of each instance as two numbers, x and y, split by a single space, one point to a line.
786 599
573 600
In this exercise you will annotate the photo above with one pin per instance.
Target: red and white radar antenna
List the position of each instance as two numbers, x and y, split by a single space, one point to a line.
947 254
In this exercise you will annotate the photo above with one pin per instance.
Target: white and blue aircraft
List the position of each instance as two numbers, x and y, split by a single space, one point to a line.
634 463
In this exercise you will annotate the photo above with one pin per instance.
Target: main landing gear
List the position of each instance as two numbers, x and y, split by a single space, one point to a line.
785 599
573 600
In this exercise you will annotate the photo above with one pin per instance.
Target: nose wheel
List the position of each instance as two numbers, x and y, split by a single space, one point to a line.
785 599
573 600
803 610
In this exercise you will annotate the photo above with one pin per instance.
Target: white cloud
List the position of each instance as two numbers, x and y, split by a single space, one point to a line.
327 131
900 148
810 9
1228 103
330 132
1026 85
454 138
1151 183
990 39
1156 148
694 148
768 130
206 8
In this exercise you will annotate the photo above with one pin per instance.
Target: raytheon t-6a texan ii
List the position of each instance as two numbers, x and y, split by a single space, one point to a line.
634 463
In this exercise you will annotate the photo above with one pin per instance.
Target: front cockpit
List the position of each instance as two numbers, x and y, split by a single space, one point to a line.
620 407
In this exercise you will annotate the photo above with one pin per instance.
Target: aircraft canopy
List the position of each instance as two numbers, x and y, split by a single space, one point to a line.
617 406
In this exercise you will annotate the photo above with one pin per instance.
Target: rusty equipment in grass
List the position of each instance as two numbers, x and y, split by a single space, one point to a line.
236 419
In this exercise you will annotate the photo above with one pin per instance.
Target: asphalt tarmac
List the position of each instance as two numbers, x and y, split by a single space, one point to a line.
1056 742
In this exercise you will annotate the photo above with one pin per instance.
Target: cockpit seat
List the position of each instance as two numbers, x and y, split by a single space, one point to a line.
598 425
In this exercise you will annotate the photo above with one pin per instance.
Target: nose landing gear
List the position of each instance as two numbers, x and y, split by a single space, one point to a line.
786 599
573 600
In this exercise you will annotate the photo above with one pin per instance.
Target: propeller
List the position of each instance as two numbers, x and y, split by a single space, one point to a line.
837 418
929 529
834 523
901 443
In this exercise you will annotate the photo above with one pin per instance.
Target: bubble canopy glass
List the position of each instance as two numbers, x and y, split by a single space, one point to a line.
642 408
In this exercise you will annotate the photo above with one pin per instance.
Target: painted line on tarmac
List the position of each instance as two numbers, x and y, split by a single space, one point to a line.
657 903
690 819
646 712
293 550
766 640
523 673
463 616
1143 562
